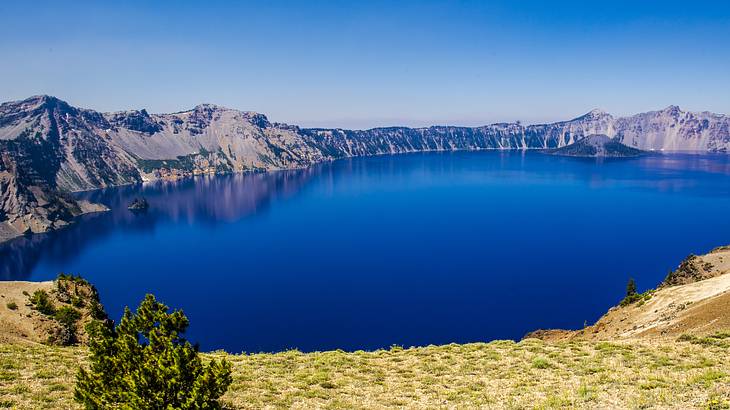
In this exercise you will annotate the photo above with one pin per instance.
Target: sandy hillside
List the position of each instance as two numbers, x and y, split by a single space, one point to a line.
700 306
20 321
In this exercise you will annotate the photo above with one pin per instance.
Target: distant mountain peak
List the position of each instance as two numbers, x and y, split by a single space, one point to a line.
42 99
35 105
672 109
209 106
594 114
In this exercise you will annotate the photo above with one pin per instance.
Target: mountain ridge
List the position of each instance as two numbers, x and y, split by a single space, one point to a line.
593 113
55 147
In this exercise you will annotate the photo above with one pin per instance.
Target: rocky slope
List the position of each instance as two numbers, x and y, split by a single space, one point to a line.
672 129
694 301
597 146
70 303
28 203
48 147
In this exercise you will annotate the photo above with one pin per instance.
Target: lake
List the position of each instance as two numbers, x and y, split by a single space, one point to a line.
413 249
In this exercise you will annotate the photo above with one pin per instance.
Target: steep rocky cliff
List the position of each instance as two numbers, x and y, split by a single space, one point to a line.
672 129
49 147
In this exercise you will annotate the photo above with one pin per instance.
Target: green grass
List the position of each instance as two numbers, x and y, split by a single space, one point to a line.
502 374
641 298
721 339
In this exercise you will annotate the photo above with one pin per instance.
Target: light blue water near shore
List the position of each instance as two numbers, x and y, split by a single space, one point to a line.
411 250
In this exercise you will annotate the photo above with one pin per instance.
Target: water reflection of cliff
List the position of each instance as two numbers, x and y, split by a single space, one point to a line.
221 199
211 200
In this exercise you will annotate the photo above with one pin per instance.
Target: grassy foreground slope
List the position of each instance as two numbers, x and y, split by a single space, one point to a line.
685 373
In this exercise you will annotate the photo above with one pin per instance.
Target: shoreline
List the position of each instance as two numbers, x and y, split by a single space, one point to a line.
8 234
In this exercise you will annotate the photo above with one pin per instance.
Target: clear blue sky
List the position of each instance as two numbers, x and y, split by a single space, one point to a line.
372 63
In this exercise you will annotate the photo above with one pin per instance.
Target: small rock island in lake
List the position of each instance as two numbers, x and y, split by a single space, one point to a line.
597 146
138 204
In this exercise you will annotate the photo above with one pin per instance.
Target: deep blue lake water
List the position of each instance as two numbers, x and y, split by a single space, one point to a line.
411 250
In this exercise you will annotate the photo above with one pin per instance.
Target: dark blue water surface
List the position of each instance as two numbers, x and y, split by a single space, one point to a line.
410 250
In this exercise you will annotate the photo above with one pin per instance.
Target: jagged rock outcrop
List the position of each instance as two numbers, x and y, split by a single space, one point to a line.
50 147
694 269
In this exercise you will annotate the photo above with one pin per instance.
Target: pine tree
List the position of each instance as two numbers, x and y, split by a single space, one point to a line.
145 363
631 288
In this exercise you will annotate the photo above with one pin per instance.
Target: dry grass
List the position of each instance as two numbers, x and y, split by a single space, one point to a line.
501 374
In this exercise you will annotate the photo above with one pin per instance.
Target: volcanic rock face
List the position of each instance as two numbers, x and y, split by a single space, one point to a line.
48 147
30 205
62 146
672 129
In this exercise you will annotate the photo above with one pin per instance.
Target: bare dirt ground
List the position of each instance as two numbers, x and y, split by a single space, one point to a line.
17 320
71 304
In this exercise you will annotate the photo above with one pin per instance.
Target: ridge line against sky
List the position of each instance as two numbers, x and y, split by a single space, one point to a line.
377 63
394 125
